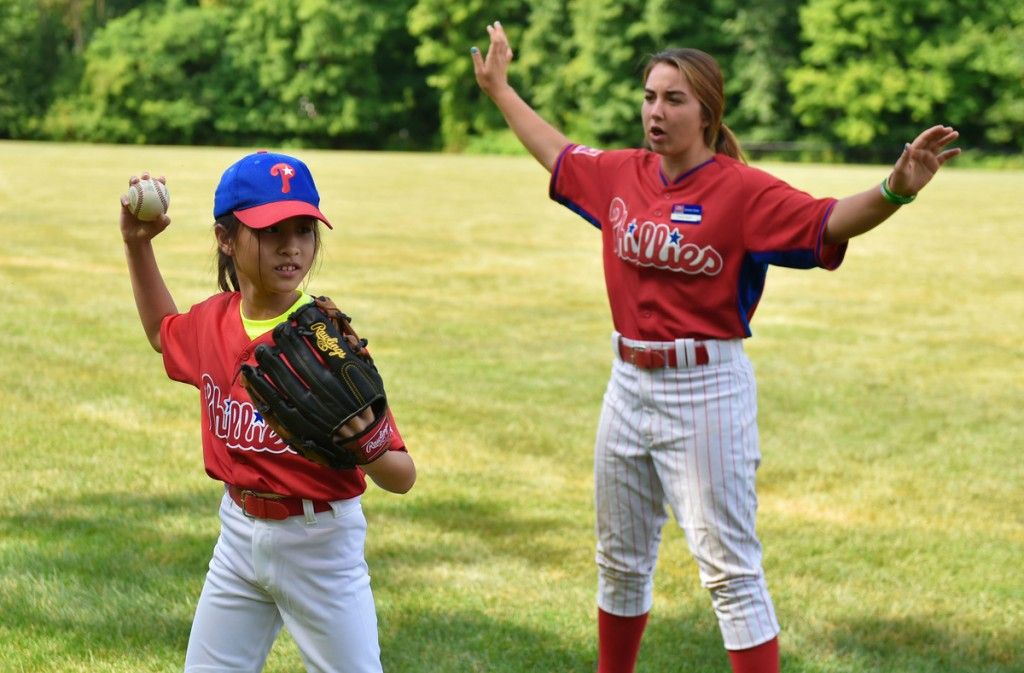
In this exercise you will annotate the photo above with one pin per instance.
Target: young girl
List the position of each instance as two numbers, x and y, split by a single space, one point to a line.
290 551
688 232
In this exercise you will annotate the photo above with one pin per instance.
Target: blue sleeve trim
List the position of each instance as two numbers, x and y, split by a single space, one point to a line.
838 252
750 288
827 257
564 200
571 205
794 259
552 194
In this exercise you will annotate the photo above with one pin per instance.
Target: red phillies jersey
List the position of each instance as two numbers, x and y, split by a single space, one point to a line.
688 258
205 347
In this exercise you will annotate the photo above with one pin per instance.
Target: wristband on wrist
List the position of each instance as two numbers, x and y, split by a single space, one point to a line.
893 197
375 440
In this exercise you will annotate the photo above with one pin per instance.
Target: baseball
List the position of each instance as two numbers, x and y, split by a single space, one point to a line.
148 199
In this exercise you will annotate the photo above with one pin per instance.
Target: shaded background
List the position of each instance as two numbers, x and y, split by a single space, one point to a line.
806 79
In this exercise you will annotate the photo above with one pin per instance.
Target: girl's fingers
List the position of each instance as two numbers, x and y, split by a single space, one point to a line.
357 423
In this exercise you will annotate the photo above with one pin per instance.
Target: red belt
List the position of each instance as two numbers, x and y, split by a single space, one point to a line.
262 507
646 357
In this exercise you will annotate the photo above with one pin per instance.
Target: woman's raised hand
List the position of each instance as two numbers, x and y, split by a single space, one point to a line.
492 72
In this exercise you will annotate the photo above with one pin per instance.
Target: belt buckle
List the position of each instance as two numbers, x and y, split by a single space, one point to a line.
648 357
644 357
268 508
242 495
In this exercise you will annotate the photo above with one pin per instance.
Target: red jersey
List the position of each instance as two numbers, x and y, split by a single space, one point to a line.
688 258
205 347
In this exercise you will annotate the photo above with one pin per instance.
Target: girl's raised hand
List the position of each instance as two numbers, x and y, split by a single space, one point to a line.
132 228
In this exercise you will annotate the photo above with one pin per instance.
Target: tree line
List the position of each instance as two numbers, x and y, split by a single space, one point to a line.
829 79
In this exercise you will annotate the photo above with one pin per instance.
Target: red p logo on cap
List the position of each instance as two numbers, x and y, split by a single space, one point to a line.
285 172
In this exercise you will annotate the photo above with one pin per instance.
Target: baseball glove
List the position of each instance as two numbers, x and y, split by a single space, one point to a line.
315 377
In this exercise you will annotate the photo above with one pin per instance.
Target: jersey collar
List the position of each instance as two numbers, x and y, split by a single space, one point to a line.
665 181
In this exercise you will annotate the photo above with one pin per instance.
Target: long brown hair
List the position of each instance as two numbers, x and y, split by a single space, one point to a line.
705 77
227 277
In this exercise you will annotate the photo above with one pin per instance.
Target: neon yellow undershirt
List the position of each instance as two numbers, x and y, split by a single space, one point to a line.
254 328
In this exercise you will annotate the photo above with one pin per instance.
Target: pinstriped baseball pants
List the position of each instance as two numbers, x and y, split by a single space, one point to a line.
685 438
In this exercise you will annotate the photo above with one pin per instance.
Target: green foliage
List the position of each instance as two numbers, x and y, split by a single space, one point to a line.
985 62
264 72
445 31
875 70
826 79
150 77
541 57
603 74
320 71
758 100
31 55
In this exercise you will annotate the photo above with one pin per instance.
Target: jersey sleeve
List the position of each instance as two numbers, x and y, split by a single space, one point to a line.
577 182
179 344
786 227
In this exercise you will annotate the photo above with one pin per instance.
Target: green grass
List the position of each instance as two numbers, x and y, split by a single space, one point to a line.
891 400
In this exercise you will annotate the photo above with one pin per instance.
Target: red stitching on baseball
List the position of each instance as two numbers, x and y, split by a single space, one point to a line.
138 201
161 193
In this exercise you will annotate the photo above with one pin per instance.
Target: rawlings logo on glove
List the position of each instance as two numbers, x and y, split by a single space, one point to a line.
316 377
325 342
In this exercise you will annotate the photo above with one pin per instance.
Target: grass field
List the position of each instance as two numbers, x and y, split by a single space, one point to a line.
891 408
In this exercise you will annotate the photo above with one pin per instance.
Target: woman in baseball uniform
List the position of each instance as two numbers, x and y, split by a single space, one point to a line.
290 551
688 231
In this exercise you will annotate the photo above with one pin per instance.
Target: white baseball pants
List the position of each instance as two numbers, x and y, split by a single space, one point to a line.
685 437
306 573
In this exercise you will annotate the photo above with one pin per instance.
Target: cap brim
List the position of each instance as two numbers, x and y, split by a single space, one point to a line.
267 215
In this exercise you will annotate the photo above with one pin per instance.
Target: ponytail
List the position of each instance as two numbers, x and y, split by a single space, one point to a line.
727 143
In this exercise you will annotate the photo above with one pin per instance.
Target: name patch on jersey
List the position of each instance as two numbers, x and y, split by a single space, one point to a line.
687 213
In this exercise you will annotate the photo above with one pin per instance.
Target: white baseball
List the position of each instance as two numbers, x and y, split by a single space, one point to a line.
148 199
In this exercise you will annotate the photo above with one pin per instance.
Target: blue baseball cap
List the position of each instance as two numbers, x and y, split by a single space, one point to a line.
264 188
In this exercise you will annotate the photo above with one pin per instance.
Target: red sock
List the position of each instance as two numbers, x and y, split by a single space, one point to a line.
618 641
761 659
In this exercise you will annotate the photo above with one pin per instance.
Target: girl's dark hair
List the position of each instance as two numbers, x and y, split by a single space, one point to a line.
227 278
705 77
